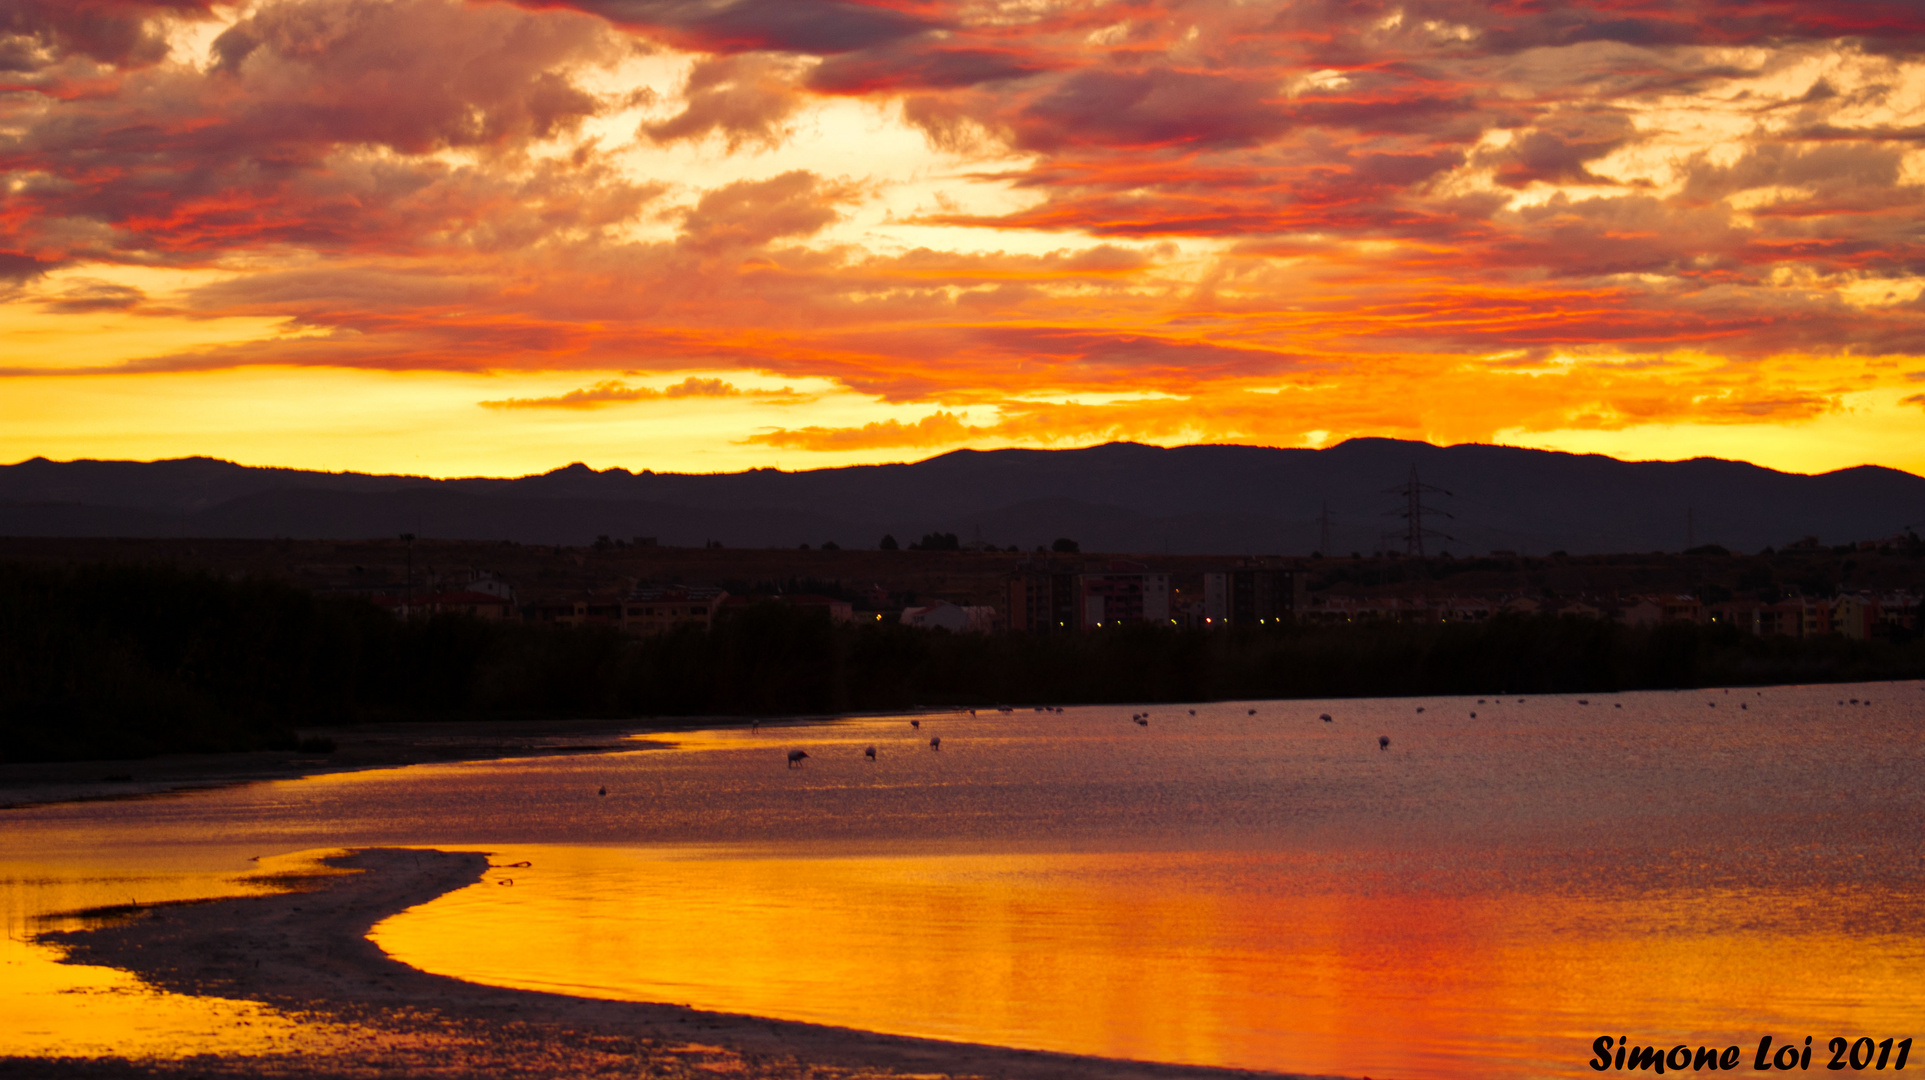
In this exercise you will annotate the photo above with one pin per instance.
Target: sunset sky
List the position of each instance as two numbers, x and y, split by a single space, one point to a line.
454 237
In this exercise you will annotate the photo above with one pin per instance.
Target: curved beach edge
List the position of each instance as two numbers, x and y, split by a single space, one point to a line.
306 953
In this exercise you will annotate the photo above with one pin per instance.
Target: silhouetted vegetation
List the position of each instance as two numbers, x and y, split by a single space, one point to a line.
119 661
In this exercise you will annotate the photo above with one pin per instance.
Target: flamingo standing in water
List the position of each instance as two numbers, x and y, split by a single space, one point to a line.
796 756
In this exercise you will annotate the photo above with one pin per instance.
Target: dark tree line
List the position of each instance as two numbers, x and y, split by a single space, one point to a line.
118 661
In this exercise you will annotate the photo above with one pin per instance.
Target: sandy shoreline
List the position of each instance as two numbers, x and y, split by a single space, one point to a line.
306 953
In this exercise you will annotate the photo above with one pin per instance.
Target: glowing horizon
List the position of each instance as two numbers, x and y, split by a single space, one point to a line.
486 238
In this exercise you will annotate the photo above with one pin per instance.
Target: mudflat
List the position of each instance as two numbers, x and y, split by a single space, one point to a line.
305 952
370 746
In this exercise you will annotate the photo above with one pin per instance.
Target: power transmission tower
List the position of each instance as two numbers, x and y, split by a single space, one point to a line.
1323 538
1414 511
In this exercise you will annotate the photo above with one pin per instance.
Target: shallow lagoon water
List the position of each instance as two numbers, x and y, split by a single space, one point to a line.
1483 898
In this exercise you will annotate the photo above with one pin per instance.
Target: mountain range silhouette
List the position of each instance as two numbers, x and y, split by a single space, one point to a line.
1119 497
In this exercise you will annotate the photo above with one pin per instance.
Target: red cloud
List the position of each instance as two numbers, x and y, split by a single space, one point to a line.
400 181
306 132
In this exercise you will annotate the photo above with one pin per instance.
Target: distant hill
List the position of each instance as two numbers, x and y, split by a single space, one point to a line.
1122 497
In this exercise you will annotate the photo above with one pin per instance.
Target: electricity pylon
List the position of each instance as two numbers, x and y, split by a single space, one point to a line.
1414 511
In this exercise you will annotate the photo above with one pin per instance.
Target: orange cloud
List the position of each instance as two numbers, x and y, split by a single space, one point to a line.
1444 220
608 393
936 429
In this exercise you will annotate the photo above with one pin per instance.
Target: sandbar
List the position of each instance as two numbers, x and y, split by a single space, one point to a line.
305 952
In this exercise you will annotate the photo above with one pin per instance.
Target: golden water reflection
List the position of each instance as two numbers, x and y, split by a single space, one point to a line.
53 1009
1243 884
1217 958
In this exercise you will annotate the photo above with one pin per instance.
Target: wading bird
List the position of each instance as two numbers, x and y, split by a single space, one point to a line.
796 756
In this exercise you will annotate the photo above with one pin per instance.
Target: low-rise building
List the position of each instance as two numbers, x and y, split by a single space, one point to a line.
575 609
491 606
1814 617
1855 615
955 618
841 611
657 609
1898 613
1651 610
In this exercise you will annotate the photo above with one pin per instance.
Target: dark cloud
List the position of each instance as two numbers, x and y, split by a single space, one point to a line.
815 27
1158 107
90 296
16 267
1560 147
410 75
126 33
1378 114
918 66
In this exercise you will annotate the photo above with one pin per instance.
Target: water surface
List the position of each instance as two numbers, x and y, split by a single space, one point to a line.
1267 890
